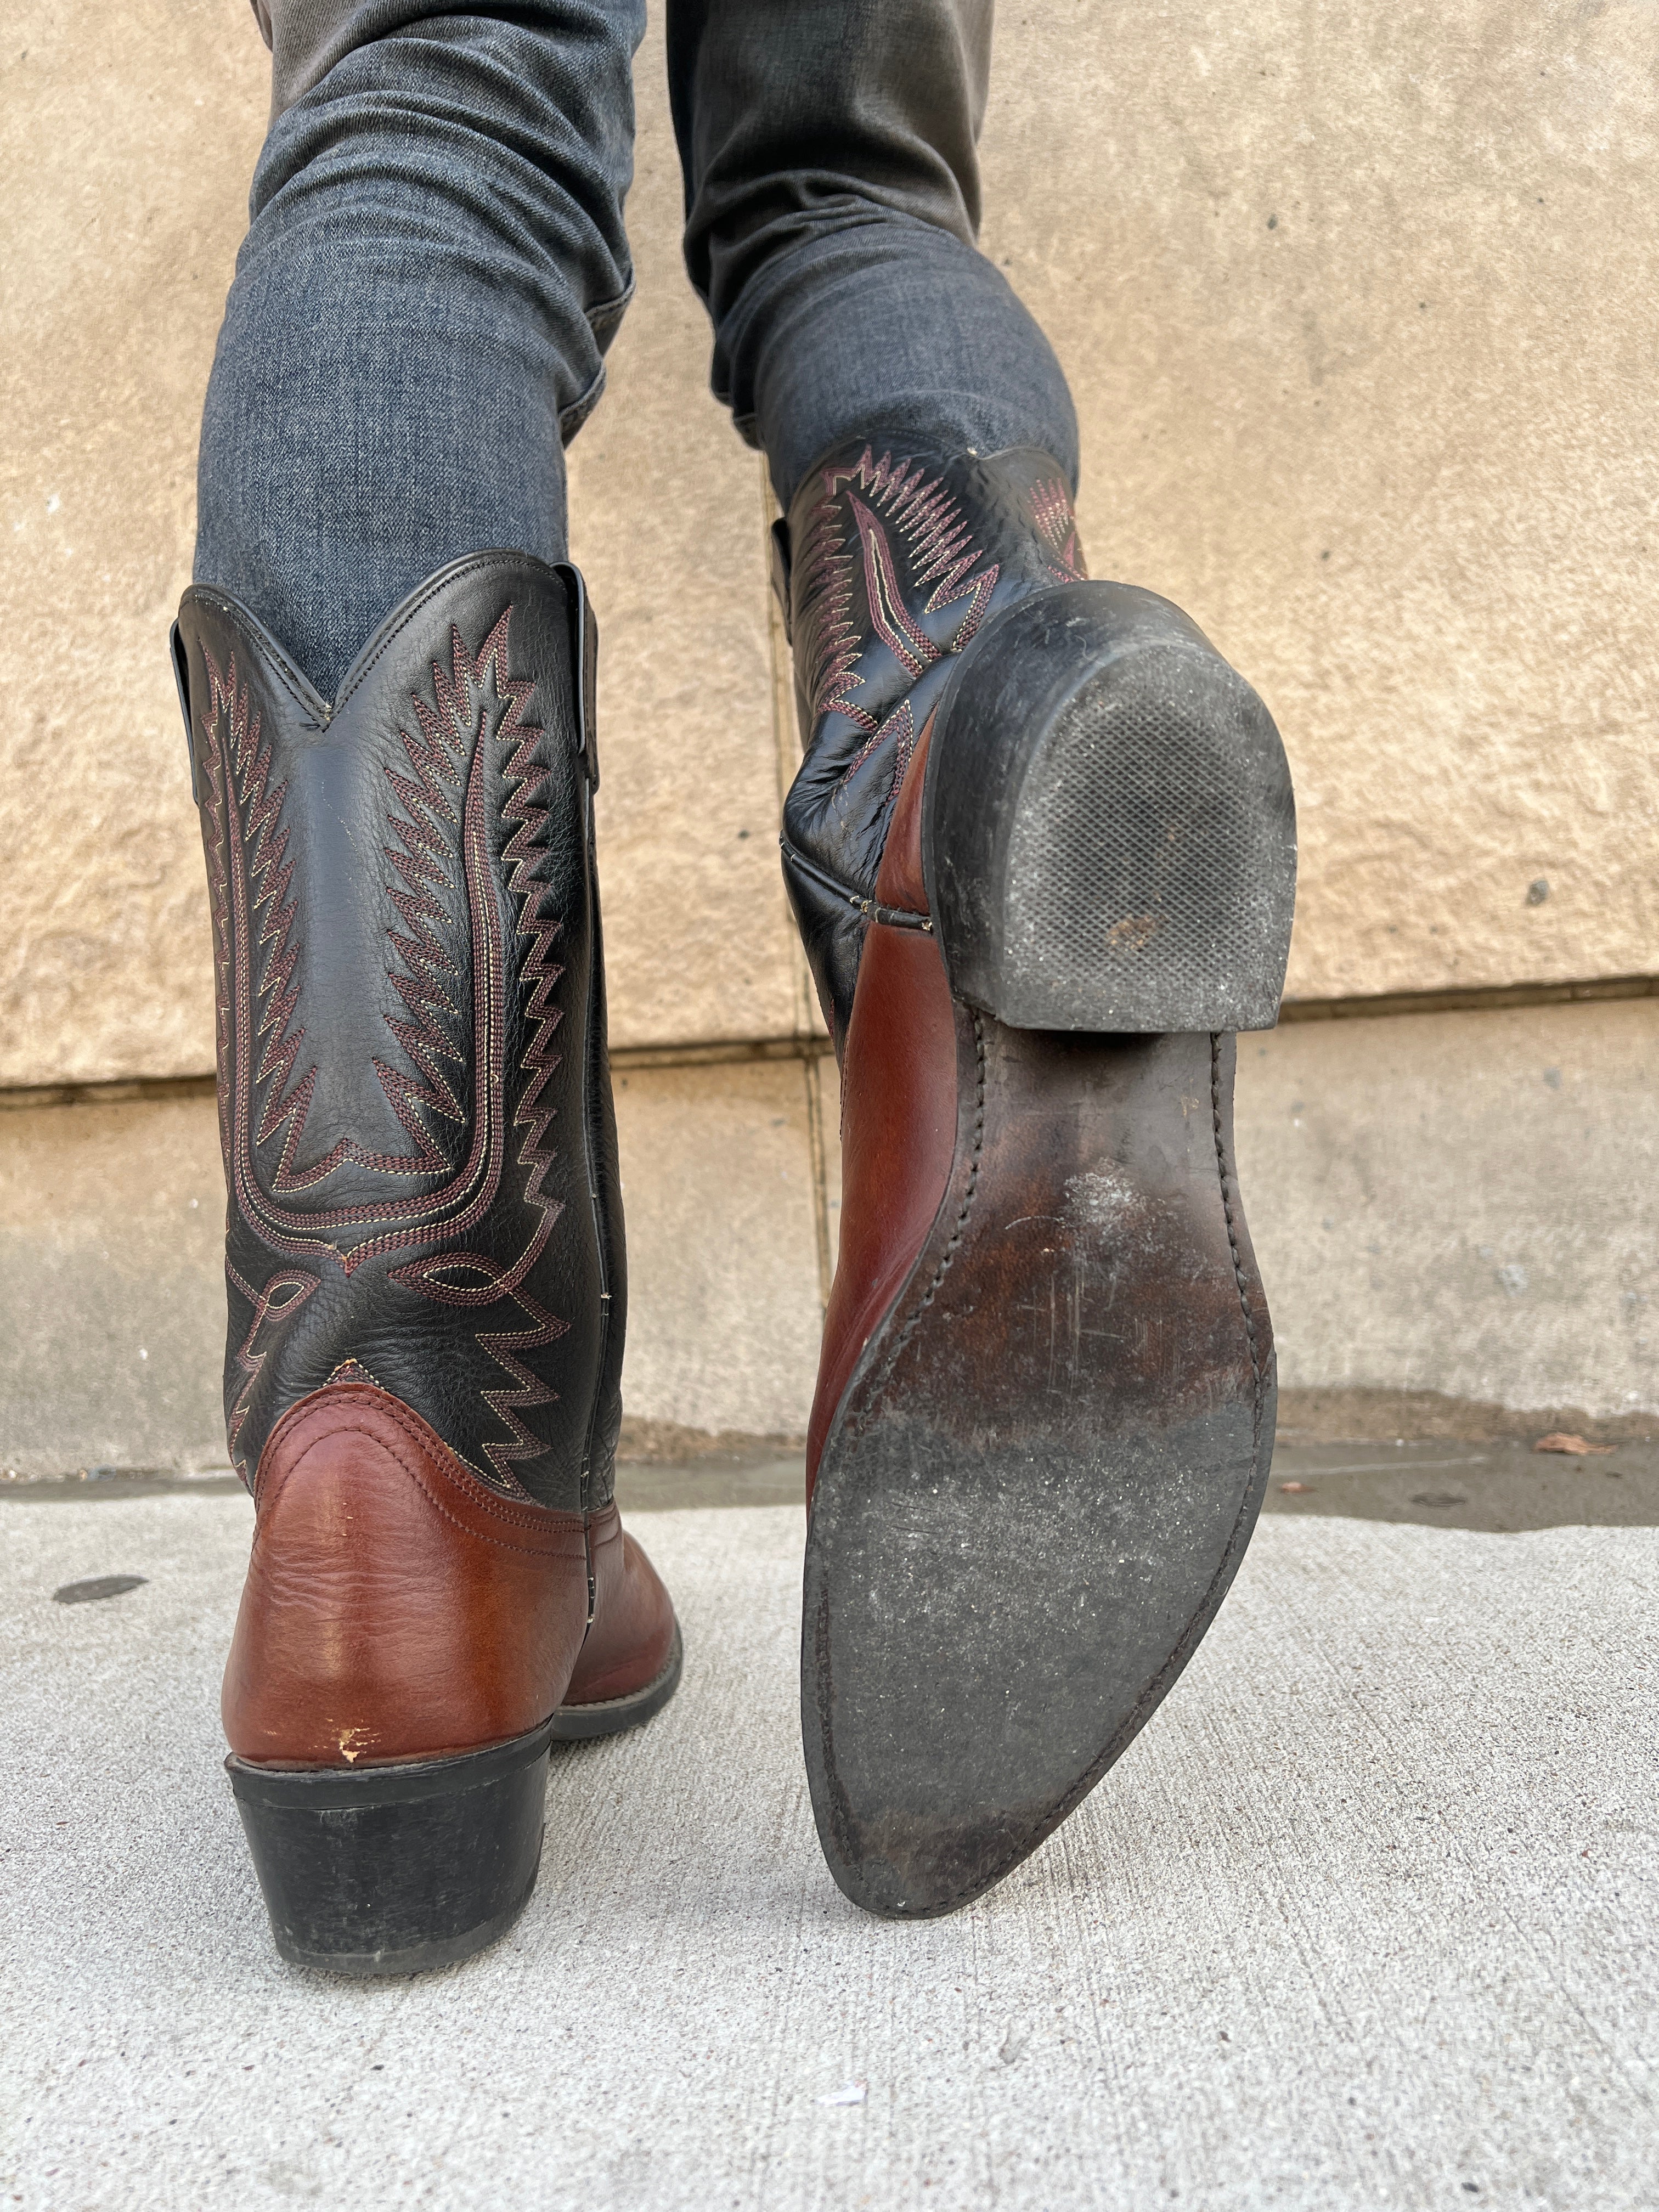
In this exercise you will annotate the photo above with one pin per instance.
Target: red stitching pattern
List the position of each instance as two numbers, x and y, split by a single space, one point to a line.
901 726
234 756
265 1305
1055 522
939 549
475 700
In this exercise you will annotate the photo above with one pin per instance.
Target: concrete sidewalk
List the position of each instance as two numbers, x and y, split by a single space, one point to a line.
1366 1918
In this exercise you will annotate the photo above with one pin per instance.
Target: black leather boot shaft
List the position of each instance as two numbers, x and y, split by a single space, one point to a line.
891 562
413 1100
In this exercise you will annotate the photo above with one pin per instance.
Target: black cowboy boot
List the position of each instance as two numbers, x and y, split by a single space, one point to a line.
1042 849
424 1256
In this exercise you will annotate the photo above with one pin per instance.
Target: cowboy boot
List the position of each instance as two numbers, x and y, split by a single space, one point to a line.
1041 850
424 1256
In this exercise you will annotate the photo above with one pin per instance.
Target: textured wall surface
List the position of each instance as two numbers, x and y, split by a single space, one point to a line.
1359 307
1358 302
1460 1203
127 143
1464 1203
127 136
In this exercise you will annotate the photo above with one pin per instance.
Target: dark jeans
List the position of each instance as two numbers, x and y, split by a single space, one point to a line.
436 263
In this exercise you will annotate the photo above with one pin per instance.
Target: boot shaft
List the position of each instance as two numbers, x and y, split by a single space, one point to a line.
890 564
415 1107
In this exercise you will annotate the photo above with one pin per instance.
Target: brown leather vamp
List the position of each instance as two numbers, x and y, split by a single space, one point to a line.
899 1113
633 1630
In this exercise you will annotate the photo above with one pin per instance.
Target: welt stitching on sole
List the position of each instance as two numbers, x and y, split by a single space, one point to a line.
1232 1239
957 1231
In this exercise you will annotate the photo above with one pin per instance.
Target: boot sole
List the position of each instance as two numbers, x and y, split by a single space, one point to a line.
1044 1473
390 1870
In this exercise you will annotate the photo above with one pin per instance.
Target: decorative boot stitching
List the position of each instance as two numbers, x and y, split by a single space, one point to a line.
474 1186
960 1225
897 565
1244 1306
940 549
899 730
469 1193
1055 522
538 974
476 701
268 1306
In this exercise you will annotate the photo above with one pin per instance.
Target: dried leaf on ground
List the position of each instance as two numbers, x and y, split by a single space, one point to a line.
1575 1445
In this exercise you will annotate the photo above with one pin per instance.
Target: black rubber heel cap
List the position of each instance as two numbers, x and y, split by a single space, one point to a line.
1109 834
396 1869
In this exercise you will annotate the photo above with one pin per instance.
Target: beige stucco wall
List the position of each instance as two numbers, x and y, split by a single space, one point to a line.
1358 304
1361 305
1466 1204
127 133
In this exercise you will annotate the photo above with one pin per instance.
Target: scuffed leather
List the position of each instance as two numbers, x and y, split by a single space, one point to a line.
396 1607
898 1114
895 557
415 1105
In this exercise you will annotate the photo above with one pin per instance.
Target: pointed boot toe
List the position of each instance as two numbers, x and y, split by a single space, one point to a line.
1045 1408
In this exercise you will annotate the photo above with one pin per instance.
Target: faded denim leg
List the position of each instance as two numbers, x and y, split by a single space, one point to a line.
833 203
435 263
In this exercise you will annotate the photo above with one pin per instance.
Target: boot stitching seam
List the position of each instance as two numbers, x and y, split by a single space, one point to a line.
960 1226
895 917
484 1535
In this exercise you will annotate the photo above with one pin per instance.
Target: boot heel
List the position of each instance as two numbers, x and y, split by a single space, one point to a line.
396 1869
1109 830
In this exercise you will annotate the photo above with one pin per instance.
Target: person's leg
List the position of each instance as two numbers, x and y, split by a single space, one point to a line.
833 202
1041 851
435 264
390 726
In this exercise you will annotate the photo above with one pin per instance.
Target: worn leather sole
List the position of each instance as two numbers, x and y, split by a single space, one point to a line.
1044 1471
398 1869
